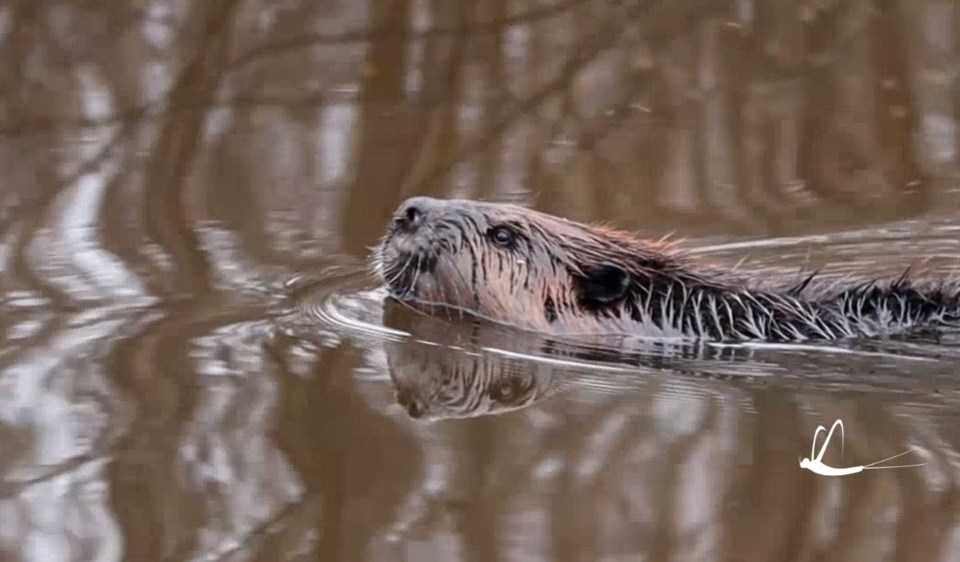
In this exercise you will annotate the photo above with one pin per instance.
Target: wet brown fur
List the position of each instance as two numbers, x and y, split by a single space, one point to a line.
564 277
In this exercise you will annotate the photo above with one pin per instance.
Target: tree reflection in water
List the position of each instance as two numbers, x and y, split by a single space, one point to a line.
174 169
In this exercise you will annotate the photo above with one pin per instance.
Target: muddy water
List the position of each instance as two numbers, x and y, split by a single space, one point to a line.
196 366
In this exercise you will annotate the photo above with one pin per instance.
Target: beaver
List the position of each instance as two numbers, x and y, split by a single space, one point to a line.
539 272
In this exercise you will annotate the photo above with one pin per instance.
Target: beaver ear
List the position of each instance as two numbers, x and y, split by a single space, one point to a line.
602 284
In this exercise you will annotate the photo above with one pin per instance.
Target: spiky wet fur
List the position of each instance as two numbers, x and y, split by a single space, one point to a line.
564 277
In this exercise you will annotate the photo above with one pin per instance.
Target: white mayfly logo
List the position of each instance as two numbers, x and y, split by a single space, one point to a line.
815 462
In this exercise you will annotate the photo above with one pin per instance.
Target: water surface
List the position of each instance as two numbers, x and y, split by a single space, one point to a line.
196 364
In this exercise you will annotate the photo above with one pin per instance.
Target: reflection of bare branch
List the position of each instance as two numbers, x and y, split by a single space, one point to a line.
150 111
21 228
443 75
461 30
10 489
840 165
592 46
34 126
249 542
494 50
895 111
374 191
166 216
49 192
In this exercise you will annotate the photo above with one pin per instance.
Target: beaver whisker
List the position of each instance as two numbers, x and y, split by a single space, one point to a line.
375 256
401 273
392 275
410 306
417 268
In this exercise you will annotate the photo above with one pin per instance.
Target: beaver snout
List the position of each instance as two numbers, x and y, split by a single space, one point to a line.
413 212
410 250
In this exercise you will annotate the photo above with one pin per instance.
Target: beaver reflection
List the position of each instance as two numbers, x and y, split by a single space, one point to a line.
452 376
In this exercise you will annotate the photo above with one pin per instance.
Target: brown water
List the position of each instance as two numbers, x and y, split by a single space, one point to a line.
196 365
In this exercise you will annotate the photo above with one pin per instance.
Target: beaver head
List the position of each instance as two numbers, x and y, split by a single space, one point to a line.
524 268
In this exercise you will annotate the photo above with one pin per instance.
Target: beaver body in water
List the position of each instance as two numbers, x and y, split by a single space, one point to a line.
539 272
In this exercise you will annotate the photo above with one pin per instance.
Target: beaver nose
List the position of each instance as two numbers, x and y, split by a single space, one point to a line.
413 212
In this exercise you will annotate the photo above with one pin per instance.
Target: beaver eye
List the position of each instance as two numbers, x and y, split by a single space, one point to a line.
502 236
